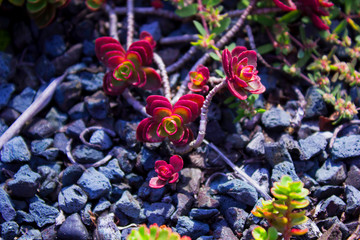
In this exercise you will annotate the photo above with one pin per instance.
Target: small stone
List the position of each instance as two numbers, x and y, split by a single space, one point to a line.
15 150
128 205
192 228
150 194
312 145
333 206
353 177
71 175
97 105
24 217
6 208
203 214
44 68
85 154
240 190
49 180
183 203
67 94
89 48
69 58
93 82
256 147
223 231
101 206
9 230
315 104
152 28
327 191
259 174
6 68
106 228
331 172
189 181
275 119
72 199
214 133
159 213
147 158
56 118
236 218
60 141
41 128
134 180
6 90
49 233
352 200
327 223
346 147
100 138
292 146
112 171
276 152
44 148
43 213
126 158
3 127
283 168
73 229
25 183
54 46
85 214
75 128
94 183
79 111
237 141
22 101
169 55
127 132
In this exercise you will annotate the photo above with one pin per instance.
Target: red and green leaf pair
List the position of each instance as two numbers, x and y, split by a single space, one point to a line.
169 121
241 74
94 5
154 232
167 173
198 79
126 68
312 8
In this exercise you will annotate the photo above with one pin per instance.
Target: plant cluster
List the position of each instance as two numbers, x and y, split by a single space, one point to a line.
282 213
154 232
167 173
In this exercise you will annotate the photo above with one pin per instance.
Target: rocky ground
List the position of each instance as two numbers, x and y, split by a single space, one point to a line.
44 196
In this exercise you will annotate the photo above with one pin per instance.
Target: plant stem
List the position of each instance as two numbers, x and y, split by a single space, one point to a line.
134 103
112 22
150 10
164 77
130 23
178 39
179 63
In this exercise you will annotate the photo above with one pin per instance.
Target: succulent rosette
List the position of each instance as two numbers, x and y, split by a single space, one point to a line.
169 121
126 68
148 37
167 172
198 79
241 74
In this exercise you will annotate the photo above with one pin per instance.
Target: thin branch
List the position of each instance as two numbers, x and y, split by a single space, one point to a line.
130 23
238 13
134 103
339 128
112 22
32 110
164 77
92 129
178 39
179 63
152 11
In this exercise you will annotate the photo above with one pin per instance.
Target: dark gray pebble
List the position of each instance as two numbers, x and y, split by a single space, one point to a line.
85 154
71 174
159 213
72 199
240 190
352 200
25 183
191 228
43 213
22 101
6 208
73 229
331 172
15 150
9 230
94 183
128 205
203 214
346 147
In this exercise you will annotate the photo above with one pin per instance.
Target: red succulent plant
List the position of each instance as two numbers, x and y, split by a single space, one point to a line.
167 173
169 121
312 8
198 79
126 67
241 74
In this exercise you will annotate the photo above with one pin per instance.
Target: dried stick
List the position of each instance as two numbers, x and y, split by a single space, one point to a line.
134 103
241 173
148 10
238 13
32 110
112 22
178 39
220 44
164 77
339 128
179 63
88 130
130 23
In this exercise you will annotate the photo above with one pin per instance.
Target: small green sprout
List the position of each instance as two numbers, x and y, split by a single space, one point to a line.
155 233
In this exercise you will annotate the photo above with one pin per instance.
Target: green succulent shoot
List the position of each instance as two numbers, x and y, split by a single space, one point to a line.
154 232
282 213
259 233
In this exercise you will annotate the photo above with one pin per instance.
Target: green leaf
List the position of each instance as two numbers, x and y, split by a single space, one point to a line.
220 73
16 2
264 20
231 46
298 220
305 56
187 11
163 235
259 233
339 28
272 233
290 17
229 99
260 110
5 39
223 26
214 56
348 6
200 28
266 48
211 3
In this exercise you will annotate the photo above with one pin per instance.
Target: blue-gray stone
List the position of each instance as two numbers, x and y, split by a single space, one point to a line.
9 230
134 180
352 200
331 172
113 171
333 206
56 118
327 191
346 147
67 94
192 228
275 118
283 168
312 145
86 217
41 128
218 180
222 231
240 190
152 28
94 183
23 217
94 83
72 199
128 205
203 214
100 138
97 105
71 175
327 223
260 174
85 154
89 48
6 208
73 229
54 46
75 128
25 183
159 213
5 66
256 146
148 158
127 132
60 141
22 101
101 206
315 104
44 68
125 158
49 180
43 213
3 126
183 203
78 111
6 90
214 133
276 152
29 233
44 148
236 218
106 228
205 238
353 177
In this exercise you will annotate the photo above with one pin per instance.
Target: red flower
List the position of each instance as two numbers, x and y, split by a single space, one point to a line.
126 68
241 74
198 79
166 172
168 121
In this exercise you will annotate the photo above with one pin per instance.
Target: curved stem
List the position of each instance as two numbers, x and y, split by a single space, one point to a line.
164 77
134 103
179 63
112 22
152 11
178 39
130 23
